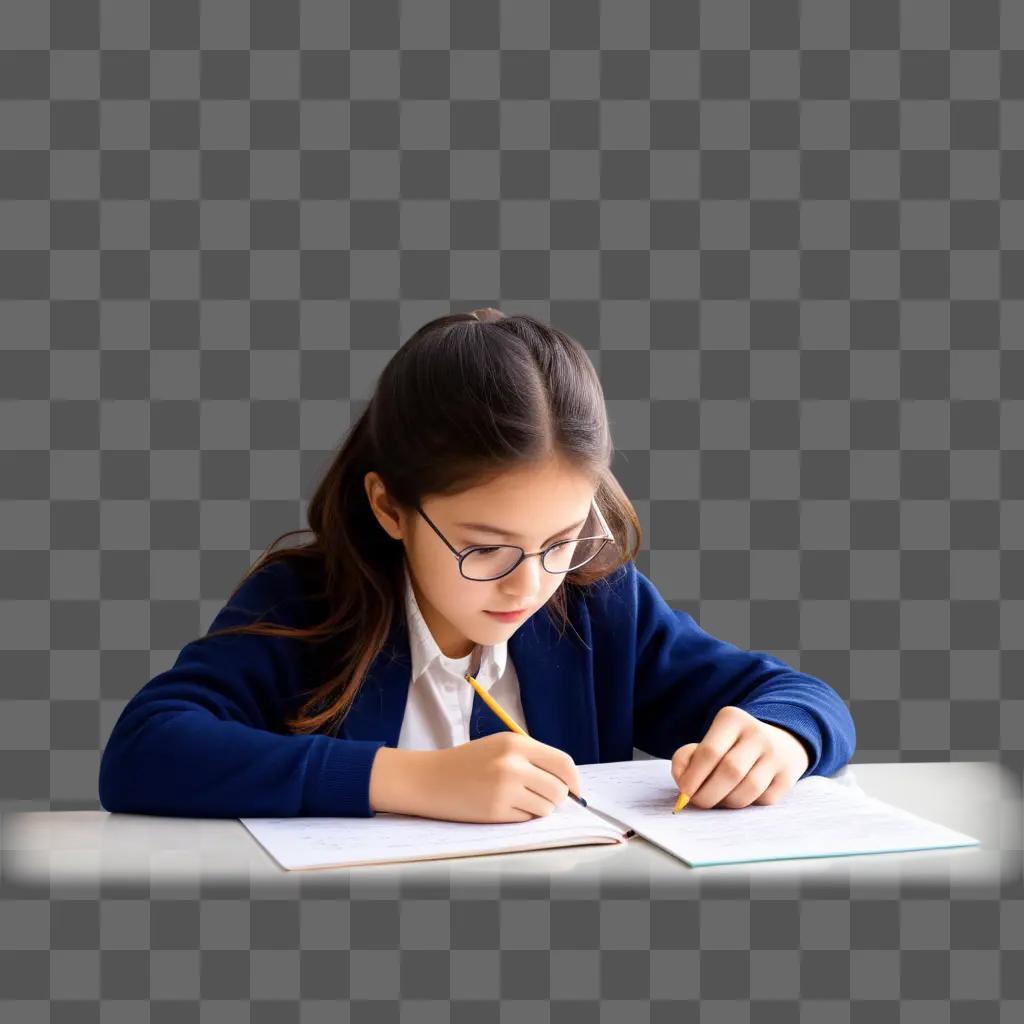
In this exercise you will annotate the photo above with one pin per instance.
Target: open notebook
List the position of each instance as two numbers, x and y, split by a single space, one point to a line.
818 817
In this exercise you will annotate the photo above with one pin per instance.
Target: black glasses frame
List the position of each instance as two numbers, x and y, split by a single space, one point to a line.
523 555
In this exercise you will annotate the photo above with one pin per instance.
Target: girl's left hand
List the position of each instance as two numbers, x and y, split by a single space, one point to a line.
741 760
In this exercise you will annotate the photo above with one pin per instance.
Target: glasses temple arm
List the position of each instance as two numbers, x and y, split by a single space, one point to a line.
607 531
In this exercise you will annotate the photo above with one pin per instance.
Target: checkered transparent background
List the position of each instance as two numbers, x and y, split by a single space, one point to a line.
791 236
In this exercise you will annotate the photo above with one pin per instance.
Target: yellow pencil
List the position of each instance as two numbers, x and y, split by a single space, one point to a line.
681 803
514 726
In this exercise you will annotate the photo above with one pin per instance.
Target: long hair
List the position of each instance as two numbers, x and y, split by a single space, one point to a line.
461 400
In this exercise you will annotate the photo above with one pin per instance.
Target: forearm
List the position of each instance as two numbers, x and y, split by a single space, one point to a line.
187 762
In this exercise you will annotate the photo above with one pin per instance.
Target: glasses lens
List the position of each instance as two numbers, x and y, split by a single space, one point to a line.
487 563
490 562
571 554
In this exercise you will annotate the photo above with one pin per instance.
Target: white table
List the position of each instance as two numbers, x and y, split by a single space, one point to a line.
78 851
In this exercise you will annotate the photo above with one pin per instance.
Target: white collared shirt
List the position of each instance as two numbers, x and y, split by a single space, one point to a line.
440 699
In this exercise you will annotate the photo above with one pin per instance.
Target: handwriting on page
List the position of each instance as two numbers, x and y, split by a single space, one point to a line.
313 842
816 818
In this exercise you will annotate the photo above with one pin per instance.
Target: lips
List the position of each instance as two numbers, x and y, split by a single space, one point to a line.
508 616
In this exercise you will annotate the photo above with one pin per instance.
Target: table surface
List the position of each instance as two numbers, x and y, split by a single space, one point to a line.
79 852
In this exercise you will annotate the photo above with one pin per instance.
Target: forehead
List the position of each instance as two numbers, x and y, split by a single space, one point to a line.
524 504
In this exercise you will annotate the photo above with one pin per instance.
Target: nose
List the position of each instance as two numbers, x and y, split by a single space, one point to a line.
525 578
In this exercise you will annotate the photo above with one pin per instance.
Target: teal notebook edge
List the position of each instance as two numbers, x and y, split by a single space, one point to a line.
826 856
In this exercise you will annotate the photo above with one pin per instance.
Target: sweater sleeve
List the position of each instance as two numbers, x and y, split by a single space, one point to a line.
685 676
206 738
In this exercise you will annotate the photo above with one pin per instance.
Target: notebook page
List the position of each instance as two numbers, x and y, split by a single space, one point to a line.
818 817
389 838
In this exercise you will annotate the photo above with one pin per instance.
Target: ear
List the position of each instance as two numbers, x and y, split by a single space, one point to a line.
383 507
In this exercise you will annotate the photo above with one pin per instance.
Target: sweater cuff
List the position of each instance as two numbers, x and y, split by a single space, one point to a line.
337 782
797 720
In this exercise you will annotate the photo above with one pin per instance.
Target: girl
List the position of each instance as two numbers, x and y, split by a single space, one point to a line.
469 523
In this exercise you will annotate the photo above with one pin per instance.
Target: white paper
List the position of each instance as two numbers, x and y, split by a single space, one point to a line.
387 838
818 817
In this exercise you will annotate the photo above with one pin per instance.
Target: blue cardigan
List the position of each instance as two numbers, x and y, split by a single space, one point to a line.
206 737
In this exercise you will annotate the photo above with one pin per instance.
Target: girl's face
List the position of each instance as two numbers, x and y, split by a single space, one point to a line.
531 507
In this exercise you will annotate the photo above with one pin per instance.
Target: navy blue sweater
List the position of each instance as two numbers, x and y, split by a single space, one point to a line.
206 737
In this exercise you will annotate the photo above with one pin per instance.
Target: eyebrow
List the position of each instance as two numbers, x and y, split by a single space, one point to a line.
484 528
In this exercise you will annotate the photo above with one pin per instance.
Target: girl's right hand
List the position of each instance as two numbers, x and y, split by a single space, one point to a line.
499 778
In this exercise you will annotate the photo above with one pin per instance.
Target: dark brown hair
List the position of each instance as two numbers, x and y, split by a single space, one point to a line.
462 400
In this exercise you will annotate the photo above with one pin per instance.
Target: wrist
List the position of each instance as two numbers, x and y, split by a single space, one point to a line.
798 745
806 754
396 779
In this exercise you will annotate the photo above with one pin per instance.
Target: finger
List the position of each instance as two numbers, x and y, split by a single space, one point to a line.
556 762
779 787
753 785
730 771
544 784
534 802
719 739
680 759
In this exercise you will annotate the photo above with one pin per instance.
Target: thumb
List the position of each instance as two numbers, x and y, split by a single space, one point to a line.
680 759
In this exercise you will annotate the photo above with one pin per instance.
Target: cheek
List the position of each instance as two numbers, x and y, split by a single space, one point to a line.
460 596
434 562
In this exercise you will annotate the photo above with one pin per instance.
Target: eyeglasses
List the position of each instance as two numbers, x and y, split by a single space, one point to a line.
494 561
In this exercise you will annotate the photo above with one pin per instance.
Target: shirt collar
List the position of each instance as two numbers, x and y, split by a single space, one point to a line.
423 649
